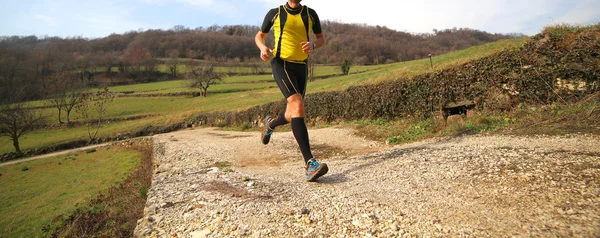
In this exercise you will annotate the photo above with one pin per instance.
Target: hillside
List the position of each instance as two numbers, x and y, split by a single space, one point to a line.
560 65
28 63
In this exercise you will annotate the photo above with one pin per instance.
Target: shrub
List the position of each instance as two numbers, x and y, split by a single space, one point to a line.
561 29
498 82
345 66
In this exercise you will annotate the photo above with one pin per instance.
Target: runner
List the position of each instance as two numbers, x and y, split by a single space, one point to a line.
292 24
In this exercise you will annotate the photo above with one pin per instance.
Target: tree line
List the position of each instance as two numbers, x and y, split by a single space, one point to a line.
32 62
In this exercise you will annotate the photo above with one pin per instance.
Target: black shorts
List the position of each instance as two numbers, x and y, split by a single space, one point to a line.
290 77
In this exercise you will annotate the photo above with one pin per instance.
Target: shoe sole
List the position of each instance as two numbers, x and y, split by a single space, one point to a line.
321 170
265 138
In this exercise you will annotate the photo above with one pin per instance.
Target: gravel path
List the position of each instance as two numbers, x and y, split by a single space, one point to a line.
212 183
54 154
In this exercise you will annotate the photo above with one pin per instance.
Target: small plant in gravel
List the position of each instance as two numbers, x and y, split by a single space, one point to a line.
377 122
227 170
222 164
142 189
416 131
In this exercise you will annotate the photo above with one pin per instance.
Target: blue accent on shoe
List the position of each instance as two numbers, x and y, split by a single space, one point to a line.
268 121
314 170
265 136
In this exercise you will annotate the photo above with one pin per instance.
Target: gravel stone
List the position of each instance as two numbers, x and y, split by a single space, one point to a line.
465 186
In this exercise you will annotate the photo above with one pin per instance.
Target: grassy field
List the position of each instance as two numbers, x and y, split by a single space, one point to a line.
34 193
238 93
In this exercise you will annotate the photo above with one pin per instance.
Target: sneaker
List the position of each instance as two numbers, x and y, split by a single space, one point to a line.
314 170
265 136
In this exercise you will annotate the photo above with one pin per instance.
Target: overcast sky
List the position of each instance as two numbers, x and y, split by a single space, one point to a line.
100 18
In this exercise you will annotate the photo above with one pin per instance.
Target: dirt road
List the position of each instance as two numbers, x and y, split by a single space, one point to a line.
53 154
212 183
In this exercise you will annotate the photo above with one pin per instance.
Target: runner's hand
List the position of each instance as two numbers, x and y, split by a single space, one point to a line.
266 54
307 47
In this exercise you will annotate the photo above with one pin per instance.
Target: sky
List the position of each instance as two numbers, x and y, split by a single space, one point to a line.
100 18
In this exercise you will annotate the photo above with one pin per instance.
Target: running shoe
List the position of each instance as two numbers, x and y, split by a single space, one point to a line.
265 136
314 170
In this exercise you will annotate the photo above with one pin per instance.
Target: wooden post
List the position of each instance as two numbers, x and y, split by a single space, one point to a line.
431 61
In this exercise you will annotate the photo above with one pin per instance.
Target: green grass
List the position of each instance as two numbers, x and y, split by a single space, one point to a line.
415 131
55 187
408 130
165 110
248 79
563 28
220 88
148 86
413 68
183 69
131 106
556 119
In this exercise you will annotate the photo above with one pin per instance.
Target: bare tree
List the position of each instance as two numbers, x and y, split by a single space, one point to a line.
73 97
16 73
92 109
311 70
141 61
345 65
173 61
203 77
16 120
64 91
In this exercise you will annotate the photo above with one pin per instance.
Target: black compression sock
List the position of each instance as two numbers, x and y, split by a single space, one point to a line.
301 134
279 121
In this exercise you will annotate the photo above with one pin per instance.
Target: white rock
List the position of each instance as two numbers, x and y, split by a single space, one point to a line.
201 234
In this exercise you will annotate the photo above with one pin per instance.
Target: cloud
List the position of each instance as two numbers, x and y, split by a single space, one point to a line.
423 16
222 8
203 3
102 17
106 24
45 19
583 12
495 16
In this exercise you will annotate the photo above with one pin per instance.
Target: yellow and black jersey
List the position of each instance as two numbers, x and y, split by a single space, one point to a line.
291 27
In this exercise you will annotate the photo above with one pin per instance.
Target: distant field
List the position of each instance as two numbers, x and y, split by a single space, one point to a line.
242 92
55 187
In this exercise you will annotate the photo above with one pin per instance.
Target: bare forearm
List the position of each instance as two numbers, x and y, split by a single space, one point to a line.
259 39
320 40
265 51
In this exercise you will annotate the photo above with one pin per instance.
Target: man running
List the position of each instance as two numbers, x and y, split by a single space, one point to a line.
292 24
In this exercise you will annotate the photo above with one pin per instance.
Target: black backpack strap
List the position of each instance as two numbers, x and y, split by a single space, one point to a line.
282 18
305 20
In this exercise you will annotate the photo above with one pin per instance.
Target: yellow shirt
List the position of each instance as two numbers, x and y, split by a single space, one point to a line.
288 45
